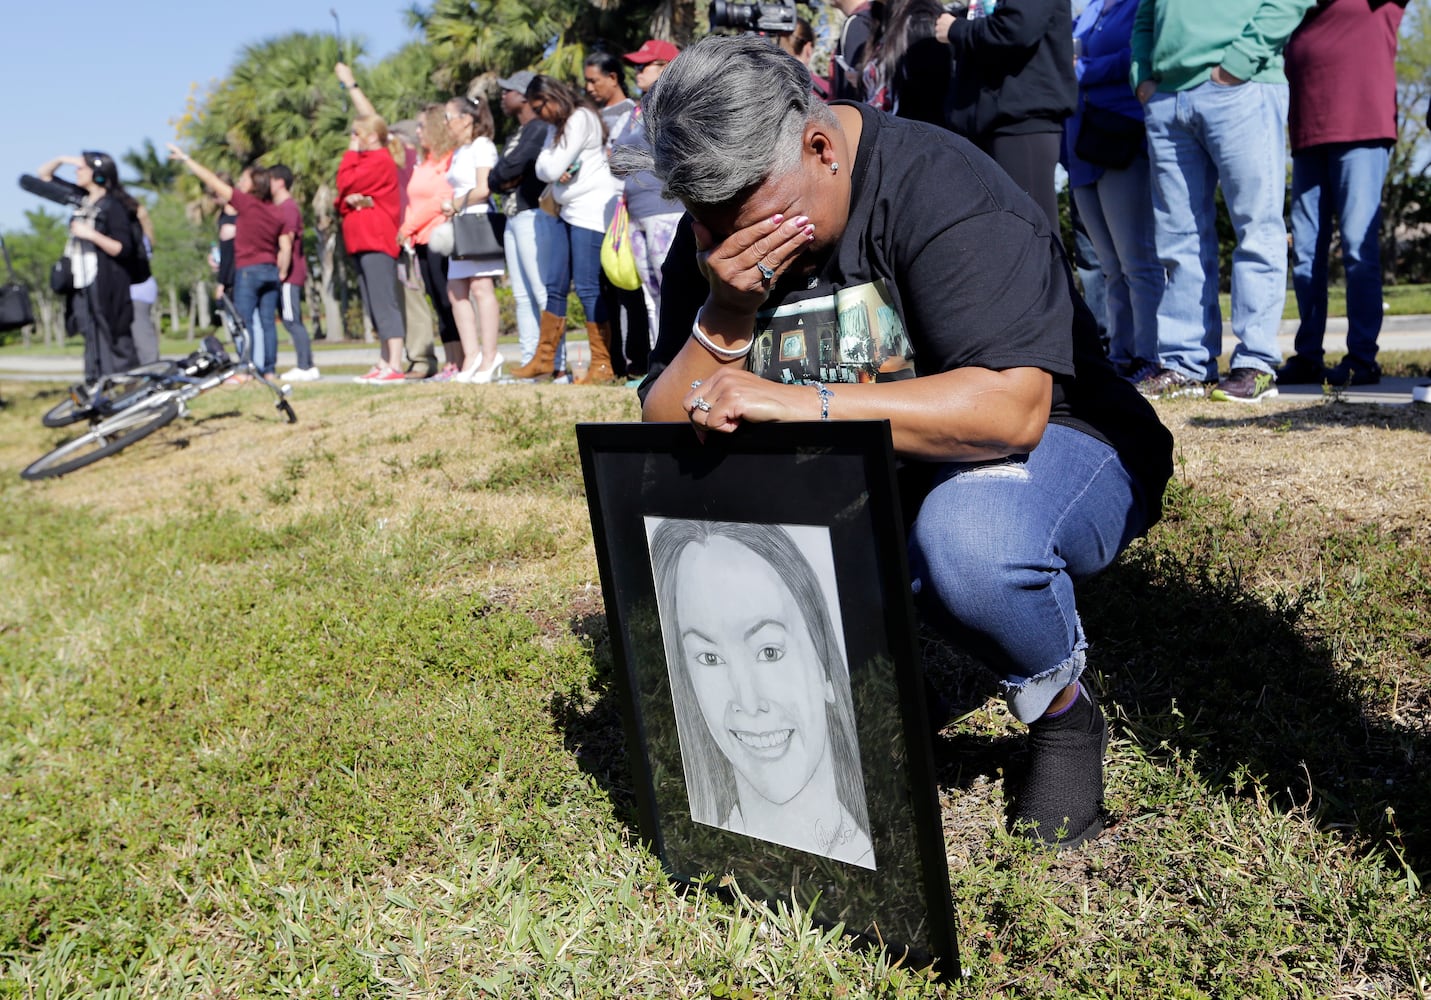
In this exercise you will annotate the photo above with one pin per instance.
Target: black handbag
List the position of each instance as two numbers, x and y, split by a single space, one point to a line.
62 277
1108 139
479 234
15 310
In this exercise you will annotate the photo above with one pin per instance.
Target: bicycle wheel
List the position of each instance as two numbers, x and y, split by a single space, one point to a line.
65 413
111 395
106 437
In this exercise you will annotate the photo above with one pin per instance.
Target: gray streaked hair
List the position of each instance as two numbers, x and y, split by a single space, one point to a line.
726 114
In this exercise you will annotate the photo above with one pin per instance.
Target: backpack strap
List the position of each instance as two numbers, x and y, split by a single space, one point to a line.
8 266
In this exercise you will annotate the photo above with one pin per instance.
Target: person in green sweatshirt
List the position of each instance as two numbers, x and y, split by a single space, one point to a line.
1215 101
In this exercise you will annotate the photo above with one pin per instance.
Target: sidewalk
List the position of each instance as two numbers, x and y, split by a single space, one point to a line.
1398 333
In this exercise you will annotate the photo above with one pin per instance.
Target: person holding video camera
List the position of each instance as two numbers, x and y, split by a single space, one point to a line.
103 257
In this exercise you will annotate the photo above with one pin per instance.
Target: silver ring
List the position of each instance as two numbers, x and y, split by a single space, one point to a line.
701 404
697 384
766 273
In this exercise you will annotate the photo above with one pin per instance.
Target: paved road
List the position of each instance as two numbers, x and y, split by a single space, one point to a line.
1398 333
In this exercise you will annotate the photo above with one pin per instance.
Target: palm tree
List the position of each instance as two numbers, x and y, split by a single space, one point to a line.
281 103
473 37
152 172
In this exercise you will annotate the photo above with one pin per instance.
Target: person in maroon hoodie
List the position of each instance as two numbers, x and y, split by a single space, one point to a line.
370 206
256 277
1341 78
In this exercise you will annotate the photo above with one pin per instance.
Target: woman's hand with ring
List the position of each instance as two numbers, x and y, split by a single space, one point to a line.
732 396
737 267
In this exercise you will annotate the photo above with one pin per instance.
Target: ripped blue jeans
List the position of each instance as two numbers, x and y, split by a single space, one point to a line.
996 549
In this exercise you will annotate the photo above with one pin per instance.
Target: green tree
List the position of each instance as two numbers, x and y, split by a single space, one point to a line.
1406 199
152 170
33 251
281 103
473 38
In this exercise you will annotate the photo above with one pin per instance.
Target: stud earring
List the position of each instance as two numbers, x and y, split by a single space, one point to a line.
834 168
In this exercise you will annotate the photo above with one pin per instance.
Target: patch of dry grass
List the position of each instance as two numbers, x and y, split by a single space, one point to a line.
326 709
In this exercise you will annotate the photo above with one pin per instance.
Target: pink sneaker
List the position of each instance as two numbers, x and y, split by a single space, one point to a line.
445 375
387 377
370 374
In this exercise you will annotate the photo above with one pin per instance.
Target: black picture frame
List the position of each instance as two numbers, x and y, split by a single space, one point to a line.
839 478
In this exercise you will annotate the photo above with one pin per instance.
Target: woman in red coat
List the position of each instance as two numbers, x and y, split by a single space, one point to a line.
369 205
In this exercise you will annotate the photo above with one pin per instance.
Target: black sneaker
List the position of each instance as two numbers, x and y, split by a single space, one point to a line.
1245 385
1301 370
1164 383
1349 372
1060 802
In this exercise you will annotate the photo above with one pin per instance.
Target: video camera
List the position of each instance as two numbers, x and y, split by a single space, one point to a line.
59 192
770 18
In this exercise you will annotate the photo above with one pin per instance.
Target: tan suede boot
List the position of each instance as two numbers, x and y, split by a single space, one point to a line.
543 361
599 372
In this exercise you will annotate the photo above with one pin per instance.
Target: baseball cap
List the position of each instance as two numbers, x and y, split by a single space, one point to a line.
653 50
518 81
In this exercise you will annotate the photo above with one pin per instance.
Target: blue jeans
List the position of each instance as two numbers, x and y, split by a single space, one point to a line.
1116 212
527 232
1090 274
997 547
574 256
1198 139
1345 179
256 287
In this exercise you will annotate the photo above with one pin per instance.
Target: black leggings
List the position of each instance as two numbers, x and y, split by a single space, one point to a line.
1029 159
378 283
433 266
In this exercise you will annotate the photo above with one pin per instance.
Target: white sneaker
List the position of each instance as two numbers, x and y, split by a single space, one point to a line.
301 375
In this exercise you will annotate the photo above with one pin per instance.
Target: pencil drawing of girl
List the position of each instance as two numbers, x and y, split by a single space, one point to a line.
760 686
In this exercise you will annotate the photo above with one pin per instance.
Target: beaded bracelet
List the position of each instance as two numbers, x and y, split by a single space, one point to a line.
722 353
825 396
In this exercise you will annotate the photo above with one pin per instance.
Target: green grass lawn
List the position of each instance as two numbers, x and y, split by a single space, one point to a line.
326 710
1401 300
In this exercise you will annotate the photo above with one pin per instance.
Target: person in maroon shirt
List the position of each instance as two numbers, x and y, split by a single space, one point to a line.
370 204
256 278
293 272
1341 76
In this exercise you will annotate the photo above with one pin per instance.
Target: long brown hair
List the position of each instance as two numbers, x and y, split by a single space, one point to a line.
437 139
565 102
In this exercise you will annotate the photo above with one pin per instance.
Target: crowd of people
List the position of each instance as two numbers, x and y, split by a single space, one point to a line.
1151 106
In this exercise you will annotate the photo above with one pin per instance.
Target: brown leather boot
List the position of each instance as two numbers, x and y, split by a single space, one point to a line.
543 361
599 372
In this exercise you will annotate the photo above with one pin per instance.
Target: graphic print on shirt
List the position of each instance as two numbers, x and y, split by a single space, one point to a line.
852 335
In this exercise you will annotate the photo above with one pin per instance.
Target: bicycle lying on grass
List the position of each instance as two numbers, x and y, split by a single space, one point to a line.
128 406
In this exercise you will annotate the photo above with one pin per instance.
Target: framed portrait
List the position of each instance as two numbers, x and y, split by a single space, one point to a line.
757 596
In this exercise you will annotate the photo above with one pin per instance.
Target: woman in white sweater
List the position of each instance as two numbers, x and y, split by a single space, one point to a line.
574 161
472 280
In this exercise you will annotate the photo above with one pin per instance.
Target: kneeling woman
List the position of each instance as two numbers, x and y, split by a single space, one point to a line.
844 264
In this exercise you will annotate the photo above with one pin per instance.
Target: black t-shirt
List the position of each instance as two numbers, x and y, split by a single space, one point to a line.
944 263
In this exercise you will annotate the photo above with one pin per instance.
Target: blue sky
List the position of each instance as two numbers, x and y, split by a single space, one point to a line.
106 76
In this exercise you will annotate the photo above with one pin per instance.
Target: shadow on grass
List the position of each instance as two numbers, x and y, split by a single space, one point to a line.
1205 668
592 728
1197 667
1329 413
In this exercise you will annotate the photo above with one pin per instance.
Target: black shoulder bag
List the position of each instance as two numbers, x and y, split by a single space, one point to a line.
15 310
